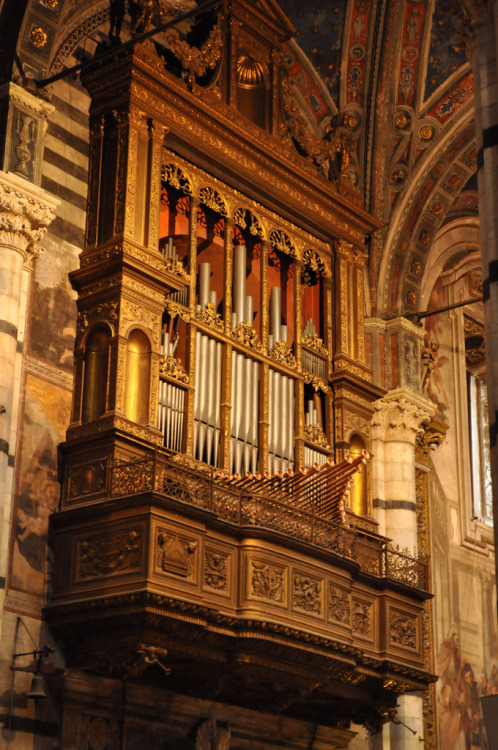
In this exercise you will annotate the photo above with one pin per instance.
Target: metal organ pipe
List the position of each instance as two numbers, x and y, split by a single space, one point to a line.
281 396
171 400
245 378
239 282
204 283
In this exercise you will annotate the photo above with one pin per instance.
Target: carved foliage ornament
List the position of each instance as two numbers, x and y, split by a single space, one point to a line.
173 368
105 312
398 417
280 241
196 61
175 177
316 435
210 316
282 352
245 219
312 341
213 200
246 334
23 220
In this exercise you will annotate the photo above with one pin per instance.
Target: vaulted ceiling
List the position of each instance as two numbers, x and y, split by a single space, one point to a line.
398 67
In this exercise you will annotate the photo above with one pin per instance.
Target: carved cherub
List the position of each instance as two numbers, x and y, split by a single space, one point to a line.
209 737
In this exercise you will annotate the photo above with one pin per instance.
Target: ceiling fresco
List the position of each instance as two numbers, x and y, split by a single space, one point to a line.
398 68
320 28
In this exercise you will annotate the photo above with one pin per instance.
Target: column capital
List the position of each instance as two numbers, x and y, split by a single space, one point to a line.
25 214
400 416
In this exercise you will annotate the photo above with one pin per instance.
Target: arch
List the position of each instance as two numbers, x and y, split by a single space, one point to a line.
137 383
455 238
244 218
95 372
406 219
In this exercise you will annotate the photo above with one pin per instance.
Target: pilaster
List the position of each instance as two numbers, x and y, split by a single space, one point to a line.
25 214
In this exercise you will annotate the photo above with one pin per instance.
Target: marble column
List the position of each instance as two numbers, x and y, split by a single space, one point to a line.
398 419
25 213
484 46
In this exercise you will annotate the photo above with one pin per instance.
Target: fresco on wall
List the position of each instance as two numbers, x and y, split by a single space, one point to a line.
46 417
436 339
53 315
460 689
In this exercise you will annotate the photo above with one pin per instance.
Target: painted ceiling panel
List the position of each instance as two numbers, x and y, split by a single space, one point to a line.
446 54
320 30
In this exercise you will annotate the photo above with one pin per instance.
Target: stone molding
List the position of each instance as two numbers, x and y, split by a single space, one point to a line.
25 214
400 416
22 96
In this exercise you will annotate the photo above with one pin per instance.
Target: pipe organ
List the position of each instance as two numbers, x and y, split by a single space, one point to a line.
252 338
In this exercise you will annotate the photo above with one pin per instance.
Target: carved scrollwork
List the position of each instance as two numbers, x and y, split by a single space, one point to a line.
316 435
244 218
210 316
281 241
174 308
282 352
317 383
313 262
312 341
174 176
173 368
246 334
105 311
175 266
213 200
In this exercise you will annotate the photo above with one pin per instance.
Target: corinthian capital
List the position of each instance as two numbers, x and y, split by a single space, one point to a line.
25 214
400 416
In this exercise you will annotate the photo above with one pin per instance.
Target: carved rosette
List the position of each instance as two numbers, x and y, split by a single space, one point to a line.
400 416
25 214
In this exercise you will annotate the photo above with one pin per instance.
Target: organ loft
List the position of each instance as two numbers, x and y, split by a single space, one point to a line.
216 522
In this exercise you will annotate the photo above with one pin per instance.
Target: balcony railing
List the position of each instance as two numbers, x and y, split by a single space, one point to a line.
243 506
